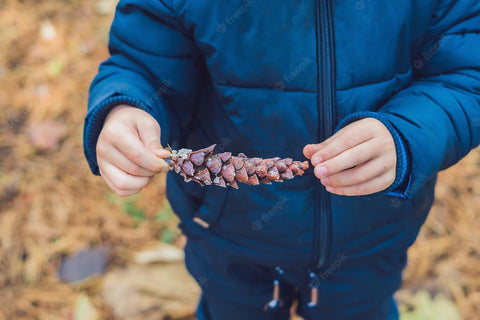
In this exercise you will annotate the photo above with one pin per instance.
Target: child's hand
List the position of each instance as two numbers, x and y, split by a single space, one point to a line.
359 159
129 151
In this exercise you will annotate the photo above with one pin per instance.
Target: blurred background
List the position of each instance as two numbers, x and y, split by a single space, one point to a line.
71 249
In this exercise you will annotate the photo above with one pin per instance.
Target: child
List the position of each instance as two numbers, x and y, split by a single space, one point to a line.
378 95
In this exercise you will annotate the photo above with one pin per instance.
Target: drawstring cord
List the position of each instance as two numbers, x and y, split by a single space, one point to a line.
314 283
275 302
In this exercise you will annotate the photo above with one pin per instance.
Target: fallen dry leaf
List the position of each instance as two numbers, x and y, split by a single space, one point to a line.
46 136
164 291
84 309
161 253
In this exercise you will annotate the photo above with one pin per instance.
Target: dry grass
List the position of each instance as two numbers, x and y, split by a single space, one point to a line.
446 256
50 205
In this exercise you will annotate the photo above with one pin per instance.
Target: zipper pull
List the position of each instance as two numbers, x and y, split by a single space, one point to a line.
313 290
275 302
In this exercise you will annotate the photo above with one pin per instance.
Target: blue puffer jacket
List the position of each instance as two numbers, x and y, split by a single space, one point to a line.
268 78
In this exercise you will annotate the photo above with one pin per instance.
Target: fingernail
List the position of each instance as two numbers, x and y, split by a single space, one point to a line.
325 181
330 189
320 171
316 160
162 153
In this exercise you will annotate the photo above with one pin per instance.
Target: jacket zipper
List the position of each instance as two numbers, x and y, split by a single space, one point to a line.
326 119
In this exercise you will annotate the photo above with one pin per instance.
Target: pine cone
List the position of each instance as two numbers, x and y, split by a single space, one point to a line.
223 169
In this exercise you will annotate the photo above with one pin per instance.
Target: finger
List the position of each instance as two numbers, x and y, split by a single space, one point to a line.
310 149
121 193
359 174
374 185
348 159
122 181
114 156
348 137
134 149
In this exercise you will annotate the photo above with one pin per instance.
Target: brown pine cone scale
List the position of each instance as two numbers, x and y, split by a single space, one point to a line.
224 170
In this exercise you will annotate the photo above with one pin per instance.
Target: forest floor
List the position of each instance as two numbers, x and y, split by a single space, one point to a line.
51 206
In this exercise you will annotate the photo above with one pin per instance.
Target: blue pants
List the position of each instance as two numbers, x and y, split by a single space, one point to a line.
225 312
239 290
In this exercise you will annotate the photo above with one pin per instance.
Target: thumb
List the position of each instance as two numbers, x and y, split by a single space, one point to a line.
157 148
150 136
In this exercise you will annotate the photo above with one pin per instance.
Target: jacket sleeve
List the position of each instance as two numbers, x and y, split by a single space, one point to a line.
438 115
153 65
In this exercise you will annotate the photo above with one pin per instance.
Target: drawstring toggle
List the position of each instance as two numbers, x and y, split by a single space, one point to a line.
313 290
276 302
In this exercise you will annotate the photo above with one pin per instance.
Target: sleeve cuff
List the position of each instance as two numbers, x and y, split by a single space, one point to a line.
402 181
94 124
